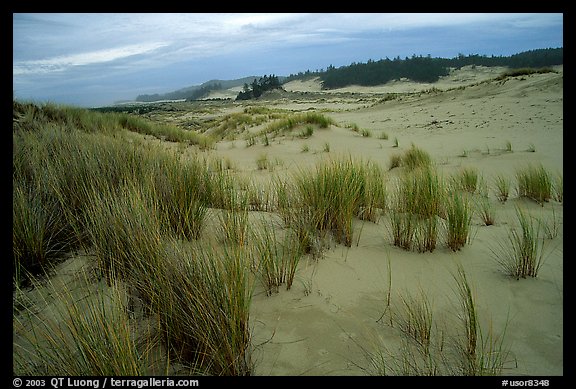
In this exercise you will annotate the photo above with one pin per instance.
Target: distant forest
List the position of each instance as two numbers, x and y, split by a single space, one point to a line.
423 69
257 87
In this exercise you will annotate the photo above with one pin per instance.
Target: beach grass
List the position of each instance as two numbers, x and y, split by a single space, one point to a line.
416 157
395 161
234 217
172 228
502 187
374 198
79 332
558 187
334 195
534 182
480 352
416 208
415 318
37 231
202 297
292 121
465 344
183 195
466 179
458 218
521 255
276 258
485 210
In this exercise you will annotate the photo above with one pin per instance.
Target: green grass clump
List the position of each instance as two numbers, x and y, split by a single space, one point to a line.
334 194
297 215
36 232
122 228
354 127
203 296
479 353
458 219
403 227
415 318
411 159
234 219
164 131
416 157
502 184
33 117
294 120
326 200
535 183
374 196
421 192
485 211
277 260
183 196
139 211
79 333
522 253
550 228
55 172
418 203
466 179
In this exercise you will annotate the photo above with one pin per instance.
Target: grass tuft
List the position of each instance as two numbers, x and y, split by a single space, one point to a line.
522 254
418 203
458 219
480 353
502 184
534 182
466 179
416 157
277 260
79 332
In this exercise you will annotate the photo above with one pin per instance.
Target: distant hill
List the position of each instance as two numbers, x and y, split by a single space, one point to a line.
371 73
192 92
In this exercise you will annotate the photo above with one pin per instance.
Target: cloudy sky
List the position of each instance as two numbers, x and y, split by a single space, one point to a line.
96 59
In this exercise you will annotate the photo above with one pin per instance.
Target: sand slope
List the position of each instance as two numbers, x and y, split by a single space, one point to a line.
325 324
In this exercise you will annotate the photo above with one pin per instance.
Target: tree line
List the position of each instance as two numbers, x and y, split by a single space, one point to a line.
257 87
417 68
423 69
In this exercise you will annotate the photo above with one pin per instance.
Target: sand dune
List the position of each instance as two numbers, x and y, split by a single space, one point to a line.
323 325
329 320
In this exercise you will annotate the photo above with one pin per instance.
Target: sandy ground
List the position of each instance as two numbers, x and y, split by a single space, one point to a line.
328 322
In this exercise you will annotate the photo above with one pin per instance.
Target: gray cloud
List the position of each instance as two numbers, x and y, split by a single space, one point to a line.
69 53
